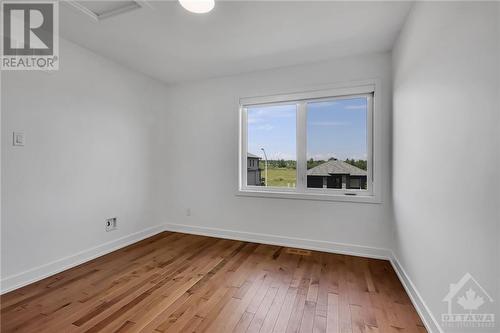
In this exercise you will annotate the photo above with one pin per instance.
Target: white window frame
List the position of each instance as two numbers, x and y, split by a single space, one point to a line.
368 89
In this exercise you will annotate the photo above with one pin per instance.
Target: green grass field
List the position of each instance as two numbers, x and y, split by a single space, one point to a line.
281 177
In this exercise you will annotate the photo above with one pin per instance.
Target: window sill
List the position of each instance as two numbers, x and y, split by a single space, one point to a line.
372 199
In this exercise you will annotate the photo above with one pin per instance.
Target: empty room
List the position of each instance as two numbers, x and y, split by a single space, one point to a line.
250 166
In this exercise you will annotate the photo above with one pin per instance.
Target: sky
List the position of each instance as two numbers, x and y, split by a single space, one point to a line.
334 129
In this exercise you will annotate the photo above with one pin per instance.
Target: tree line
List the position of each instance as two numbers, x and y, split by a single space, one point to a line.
311 163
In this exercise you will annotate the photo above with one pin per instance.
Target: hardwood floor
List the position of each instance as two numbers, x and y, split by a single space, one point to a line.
175 282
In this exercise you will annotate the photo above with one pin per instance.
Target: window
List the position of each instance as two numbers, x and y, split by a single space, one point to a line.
309 145
336 136
271 139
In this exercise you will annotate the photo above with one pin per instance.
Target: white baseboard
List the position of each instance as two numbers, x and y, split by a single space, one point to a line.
309 244
430 322
428 319
38 273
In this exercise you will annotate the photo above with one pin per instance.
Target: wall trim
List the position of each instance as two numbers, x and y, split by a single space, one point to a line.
43 271
22 279
430 322
309 244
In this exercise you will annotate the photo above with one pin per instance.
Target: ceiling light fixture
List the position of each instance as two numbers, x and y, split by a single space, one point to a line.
198 6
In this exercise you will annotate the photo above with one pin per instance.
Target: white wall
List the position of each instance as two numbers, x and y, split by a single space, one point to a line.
447 147
199 155
88 156
103 141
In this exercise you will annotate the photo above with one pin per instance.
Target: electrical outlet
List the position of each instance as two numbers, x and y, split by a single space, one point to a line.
188 212
18 139
110 224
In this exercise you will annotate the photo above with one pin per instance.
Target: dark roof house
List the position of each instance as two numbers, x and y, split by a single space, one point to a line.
250 155
253 170
336 174
336 167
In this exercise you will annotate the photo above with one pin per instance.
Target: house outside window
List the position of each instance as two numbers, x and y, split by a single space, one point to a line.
253 170
337 174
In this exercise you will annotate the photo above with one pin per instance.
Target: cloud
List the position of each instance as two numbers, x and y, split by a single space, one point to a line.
253 120
265 127
324 104
330 123
355 107
270 113
279 155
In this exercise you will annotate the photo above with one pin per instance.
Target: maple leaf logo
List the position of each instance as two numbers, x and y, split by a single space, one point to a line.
470 301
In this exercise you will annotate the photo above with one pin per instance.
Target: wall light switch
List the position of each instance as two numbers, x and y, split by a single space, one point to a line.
18 139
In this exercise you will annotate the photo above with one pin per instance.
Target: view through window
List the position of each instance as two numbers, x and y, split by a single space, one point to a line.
337 144
271 153
309 145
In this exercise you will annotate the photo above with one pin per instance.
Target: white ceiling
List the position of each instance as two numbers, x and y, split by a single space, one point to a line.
165 41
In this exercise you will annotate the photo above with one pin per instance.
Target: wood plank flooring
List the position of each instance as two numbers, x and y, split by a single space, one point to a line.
175 282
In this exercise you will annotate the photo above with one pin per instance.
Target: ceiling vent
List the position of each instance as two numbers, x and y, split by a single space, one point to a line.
100 10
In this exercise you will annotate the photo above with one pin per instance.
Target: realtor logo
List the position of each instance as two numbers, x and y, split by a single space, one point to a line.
468 303
30 39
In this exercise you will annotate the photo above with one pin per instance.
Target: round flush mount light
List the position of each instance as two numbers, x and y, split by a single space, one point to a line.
198 6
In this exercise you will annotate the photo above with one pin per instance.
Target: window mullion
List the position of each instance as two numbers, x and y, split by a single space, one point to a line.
370 143
301 146
244 147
